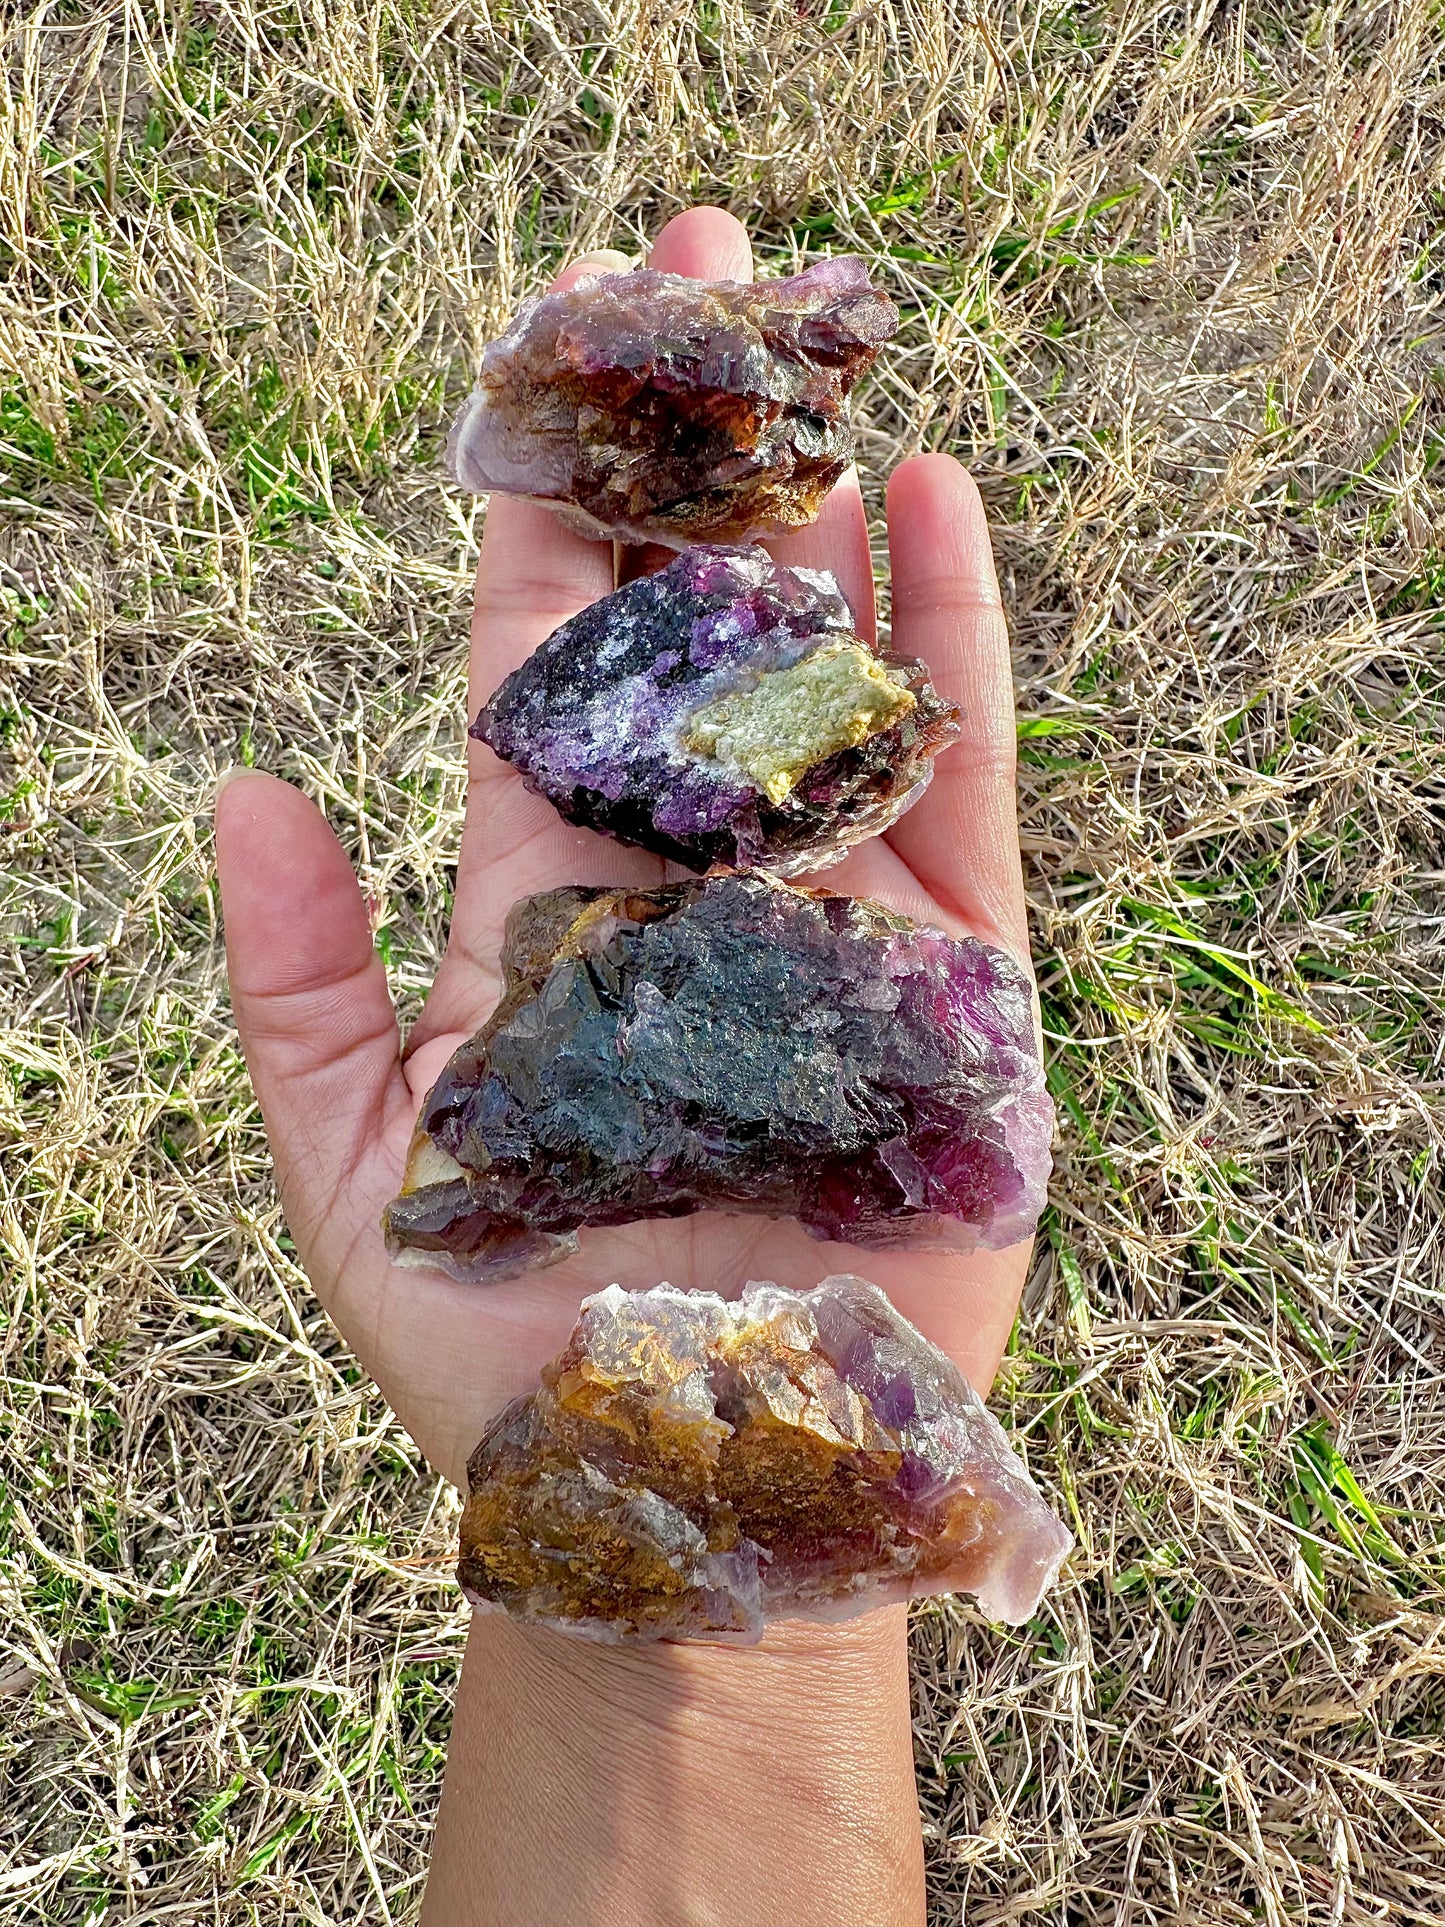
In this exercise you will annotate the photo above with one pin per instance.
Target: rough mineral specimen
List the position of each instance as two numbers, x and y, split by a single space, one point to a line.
651 407
690 1468
722 711
738 1044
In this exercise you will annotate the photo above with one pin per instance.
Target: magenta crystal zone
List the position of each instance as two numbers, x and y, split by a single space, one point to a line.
692 1468
737 1044
653 407
596 719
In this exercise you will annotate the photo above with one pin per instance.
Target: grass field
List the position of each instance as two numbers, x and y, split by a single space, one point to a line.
1173 282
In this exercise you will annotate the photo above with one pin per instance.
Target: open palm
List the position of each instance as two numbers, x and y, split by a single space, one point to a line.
339 1094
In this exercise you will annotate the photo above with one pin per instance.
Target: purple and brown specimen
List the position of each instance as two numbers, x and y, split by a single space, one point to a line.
654 408
690 1468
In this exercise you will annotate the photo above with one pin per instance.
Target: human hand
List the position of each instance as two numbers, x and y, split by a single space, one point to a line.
339 1093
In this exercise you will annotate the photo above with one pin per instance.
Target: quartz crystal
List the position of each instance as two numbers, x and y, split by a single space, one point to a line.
722 711
652 407
730 1043
691 1468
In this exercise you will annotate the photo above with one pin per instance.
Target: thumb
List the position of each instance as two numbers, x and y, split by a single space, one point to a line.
308 990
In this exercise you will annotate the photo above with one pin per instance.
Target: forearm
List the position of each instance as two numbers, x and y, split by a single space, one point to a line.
681 1786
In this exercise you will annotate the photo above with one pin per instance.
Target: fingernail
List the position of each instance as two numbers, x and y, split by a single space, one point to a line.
227 777
604 261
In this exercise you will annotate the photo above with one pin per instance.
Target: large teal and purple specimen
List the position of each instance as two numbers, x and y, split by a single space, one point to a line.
734 1044
691 1468
654 408
722 711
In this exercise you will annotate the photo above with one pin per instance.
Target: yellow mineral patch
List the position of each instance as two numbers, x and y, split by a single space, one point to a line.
794 718
428 1163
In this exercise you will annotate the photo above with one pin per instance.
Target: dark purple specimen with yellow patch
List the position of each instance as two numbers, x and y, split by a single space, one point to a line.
722 711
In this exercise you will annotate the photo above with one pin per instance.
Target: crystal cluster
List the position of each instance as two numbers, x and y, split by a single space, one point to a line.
652 407
738 1044
722 711
691 1468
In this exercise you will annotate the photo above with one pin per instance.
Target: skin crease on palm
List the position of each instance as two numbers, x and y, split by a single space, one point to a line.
340 1093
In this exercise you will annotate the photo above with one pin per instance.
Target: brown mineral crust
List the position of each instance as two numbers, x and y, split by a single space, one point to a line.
610 1570
545 930
804 1450
802 1491
551 1526
632 1395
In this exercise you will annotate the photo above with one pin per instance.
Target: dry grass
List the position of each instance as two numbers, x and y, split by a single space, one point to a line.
1172 278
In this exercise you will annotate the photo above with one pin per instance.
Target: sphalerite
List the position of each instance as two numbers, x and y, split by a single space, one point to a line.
691 1468
722 711
737 1044
652 407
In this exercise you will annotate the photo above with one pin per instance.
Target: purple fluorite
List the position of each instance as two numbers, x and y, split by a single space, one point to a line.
652 407
731 1043
691 1468
722 711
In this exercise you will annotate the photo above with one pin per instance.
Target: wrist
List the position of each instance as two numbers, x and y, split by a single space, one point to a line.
629 1783
805 1672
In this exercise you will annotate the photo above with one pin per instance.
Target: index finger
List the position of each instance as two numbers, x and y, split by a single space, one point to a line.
961 841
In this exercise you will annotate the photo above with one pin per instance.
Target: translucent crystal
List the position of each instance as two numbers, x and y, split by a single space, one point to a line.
722 711
738 1044
691 1468
652 407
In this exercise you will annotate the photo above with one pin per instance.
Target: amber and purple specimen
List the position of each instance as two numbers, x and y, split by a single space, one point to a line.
691 1468
730 1043
722 711
655 408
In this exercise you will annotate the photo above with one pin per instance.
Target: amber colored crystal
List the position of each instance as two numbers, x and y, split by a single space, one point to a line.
691 1468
